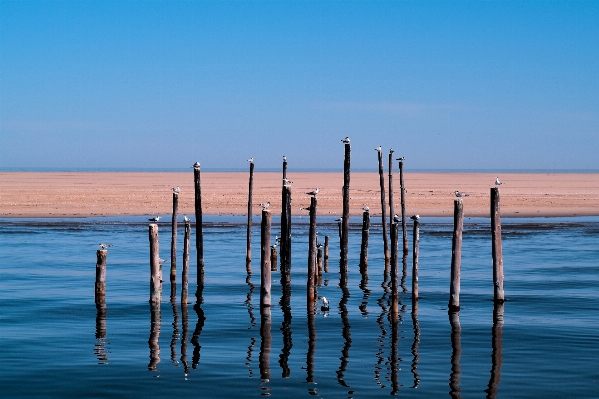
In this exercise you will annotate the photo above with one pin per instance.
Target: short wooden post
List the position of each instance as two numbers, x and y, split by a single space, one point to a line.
248 256
364 246
415 259
273 258
456 255
326 254
319 261
185 271
265 259
498 293
199 231
155 267
383 207
404 227
100 289
311 254
345 221
173 275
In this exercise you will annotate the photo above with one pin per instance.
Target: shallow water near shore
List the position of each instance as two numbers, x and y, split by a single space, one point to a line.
55 342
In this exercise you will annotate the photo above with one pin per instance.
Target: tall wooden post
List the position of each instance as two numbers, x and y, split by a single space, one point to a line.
173 275
404 227
326 254
265 259
311 254
498 293
185 271
319 261
415 259
345 221
391 202
248 256
155 272
383 207
100 289
456 255
364 246
199 231
285 231
273 258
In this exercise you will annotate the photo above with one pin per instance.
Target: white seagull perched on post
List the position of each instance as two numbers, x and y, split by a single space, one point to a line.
284 158
460 195
366 209
325 303
379 148
265 205
196 165
105 246
345 140
176 190
185 219
155 219
251 160
313 192
340 219
415 217
401 159
391 151
497 182
396 218
287 182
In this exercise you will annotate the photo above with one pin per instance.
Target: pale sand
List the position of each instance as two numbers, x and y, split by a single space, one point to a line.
55 194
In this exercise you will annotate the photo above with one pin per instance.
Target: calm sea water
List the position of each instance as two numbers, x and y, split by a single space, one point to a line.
54 342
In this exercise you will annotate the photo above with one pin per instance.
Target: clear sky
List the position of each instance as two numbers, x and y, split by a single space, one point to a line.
161 84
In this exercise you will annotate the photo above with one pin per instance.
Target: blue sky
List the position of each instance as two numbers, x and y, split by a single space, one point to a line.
157 84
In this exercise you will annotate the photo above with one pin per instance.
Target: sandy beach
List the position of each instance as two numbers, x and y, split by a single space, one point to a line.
75 194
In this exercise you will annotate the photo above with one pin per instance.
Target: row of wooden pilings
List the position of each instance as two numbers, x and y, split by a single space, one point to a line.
314 253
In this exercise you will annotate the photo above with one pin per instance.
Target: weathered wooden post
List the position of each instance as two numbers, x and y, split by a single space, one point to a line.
155 266
248 256
185 271
326 254
288 238
283 217
404 228
173 275
265 259
311 254
100 289
345 221
456 255
498 293
319 260
391 202
415 259
199 231
383 206
364 246
273 258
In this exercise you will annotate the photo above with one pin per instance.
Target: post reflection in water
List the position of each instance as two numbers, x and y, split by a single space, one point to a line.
364 287
248 304
382 302
456 353
415 356
346 329
311 344
394 318
497 354
100 346
285 304
195 339
265 349
184 336
175 335
155 321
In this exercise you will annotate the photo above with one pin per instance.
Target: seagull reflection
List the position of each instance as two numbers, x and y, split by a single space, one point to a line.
346 328
456 353
175 335
265 349
416 342
155 321
497 354
100 346
195 339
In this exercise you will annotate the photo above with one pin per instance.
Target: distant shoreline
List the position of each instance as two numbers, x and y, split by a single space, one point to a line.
88 194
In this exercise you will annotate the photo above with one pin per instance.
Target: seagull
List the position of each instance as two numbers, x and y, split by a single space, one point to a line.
105 246
284 158
415 217
391 151
273 246
345 140
287 182
366 209
155 219
497 182
251 160
185 219
340 219
277 239
176 190
313 192
460 195
196 165
265 205
319 245
306 209
401 159
160 260
325 304
379 148
396 218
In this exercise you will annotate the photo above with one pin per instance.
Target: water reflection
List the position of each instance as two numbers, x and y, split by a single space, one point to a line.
364 287
285 303
265 349
382 302
175 335
497 354
311 344
184 336
100 346
155 321
346 328
456 353
195 339
416 343
394 318
248 300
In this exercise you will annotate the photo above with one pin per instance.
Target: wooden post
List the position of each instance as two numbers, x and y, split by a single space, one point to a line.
415 260
100 289
273 258
319 261
283 223
185 271
326 254
311 254
173 275
456 255
285 230
345 221
383 207
288 238
404 227
391 203
265 259
364 246
498 293
248 256
155 272
199 231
